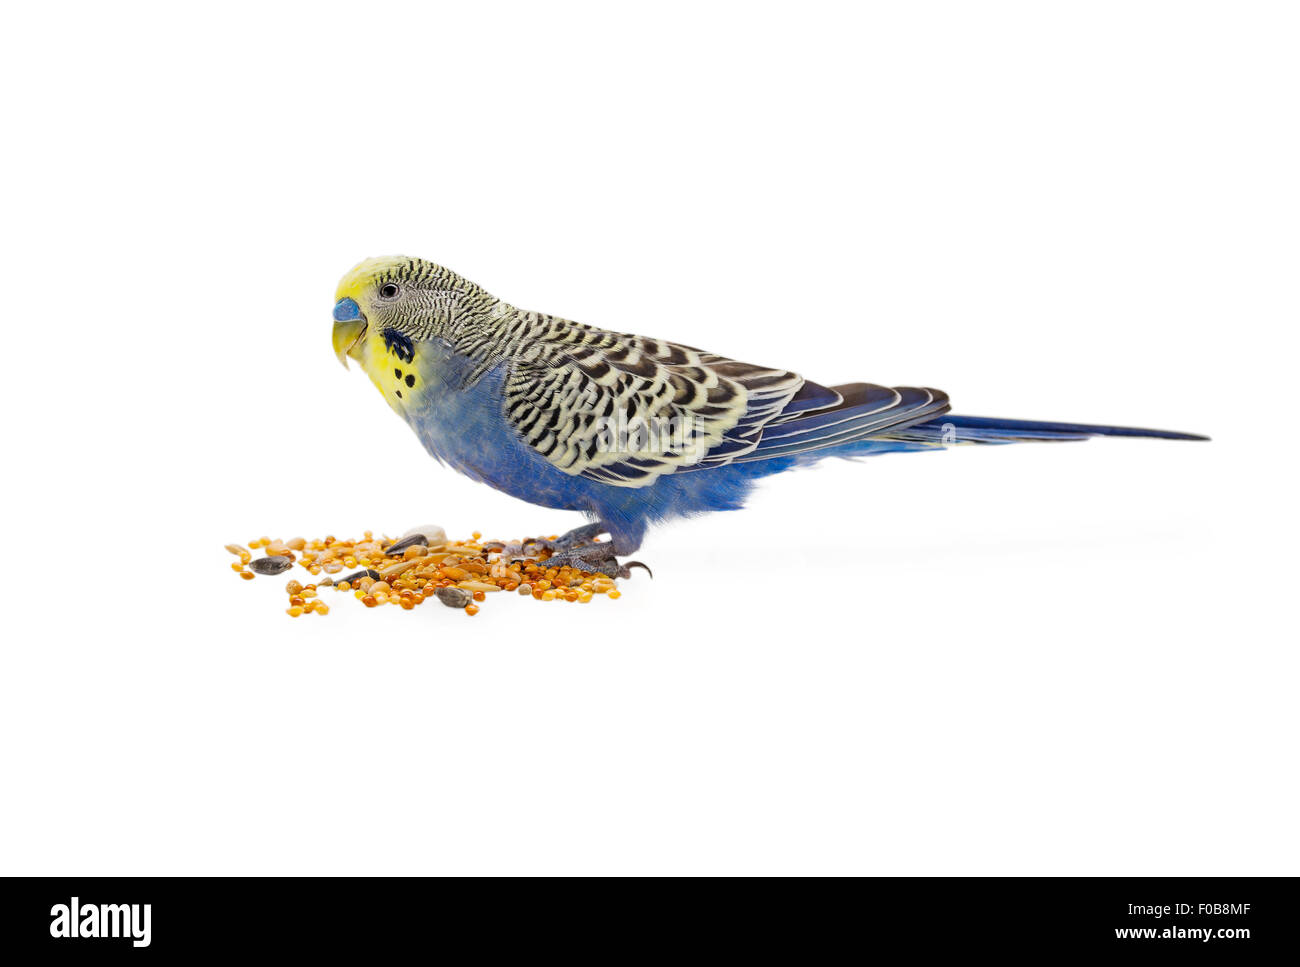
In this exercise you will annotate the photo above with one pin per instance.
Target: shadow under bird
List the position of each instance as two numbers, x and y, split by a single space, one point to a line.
629 430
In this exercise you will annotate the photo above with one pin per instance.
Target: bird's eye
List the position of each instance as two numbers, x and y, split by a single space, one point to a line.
389 290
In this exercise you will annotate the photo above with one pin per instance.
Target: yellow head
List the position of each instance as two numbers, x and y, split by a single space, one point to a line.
387 312
401 297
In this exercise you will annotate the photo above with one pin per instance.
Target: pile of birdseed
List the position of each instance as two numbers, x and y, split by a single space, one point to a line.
419 566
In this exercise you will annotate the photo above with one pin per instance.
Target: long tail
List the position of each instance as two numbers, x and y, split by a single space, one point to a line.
954 429
861 419
864 419
858 419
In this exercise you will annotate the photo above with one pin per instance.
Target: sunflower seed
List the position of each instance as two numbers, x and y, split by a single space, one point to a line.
454 597
274 564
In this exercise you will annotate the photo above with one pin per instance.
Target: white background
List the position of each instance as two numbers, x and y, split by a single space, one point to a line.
1038 659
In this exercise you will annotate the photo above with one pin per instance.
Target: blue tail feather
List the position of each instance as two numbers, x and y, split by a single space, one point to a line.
987 429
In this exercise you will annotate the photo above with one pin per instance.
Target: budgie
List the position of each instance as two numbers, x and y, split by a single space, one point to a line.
628 430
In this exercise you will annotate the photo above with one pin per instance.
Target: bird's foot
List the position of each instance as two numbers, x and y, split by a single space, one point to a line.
598 558
578 537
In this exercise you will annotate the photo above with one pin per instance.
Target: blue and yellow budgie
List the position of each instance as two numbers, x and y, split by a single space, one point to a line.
627 429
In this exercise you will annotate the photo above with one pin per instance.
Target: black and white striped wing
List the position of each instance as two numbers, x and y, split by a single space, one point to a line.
626 409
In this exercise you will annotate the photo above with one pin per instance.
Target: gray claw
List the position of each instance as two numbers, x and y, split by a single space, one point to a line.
597 557
579 537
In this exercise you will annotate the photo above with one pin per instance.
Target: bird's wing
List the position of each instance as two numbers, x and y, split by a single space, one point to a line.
625 409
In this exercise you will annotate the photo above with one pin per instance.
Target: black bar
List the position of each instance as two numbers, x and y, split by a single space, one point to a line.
1231 917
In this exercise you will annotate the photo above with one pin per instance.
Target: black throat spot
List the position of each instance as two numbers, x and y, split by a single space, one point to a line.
399 345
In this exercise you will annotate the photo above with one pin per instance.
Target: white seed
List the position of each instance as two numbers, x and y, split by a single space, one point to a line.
434 534
477 586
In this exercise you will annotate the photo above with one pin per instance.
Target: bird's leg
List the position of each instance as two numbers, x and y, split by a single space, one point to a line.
580 549
598 558
577 537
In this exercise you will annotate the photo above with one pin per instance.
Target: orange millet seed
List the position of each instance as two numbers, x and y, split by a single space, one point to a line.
411 576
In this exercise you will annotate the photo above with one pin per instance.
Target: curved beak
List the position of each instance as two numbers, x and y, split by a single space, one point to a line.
349 327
